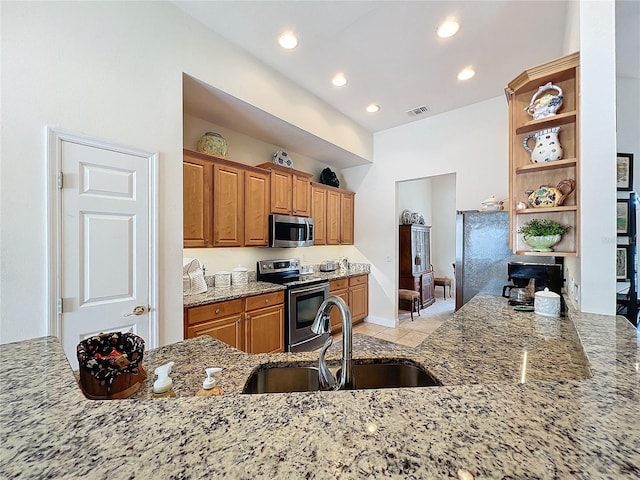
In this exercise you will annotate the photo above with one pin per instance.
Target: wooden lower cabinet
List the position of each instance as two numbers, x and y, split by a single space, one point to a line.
264 323
338 288
355 292
359 297
252 324
222 321
427 289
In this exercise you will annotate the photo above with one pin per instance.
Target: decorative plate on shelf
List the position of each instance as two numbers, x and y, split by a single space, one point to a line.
283 159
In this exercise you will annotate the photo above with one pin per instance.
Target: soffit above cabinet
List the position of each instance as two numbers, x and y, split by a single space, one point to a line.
213 105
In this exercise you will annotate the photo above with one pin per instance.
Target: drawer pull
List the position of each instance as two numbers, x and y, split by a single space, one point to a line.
217 311
266 301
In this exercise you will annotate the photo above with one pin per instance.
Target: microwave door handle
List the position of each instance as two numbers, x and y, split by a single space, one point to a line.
306 237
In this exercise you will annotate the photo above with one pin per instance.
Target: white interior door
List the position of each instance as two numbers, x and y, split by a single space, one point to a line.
107 242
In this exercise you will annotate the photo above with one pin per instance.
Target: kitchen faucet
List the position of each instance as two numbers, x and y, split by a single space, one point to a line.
321 325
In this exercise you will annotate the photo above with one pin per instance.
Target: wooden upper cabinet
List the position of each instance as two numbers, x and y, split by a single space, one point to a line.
256 208
346 217
319 214
228 201
290 190
281 192
335 225
333 217
301 195
197 202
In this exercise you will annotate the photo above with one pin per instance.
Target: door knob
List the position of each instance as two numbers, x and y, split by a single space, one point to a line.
137 310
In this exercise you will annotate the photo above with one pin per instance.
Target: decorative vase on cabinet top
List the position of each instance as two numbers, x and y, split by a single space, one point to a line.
547 149
547 105
213 143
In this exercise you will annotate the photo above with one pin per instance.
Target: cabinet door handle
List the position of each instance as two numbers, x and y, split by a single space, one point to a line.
248 318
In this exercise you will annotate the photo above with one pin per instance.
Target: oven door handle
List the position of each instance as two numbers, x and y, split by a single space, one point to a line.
318 287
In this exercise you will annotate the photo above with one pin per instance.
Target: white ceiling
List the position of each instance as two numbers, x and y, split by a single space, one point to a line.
391 55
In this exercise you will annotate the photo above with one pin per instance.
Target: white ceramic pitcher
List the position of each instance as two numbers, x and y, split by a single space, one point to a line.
547 149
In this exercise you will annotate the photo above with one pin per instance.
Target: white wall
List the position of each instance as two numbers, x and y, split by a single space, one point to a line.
443 238
248 150
471 142
628 122
113 70
415 196
597 157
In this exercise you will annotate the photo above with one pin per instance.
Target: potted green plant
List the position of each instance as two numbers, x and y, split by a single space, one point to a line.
542 233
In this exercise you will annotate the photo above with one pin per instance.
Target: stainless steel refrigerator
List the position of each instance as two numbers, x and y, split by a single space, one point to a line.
482 254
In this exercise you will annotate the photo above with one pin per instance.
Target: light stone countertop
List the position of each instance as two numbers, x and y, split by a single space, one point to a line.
575 416
220 294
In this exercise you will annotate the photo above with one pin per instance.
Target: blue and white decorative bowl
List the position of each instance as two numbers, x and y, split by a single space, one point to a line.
283 159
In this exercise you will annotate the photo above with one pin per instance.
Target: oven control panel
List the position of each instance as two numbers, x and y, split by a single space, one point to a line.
277 266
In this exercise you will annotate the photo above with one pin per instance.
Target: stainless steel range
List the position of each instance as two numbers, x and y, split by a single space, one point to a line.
304 295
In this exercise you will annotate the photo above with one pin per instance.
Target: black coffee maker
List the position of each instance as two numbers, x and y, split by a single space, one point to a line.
545 275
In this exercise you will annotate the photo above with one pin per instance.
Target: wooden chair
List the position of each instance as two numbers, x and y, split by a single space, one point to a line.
444 282
412 297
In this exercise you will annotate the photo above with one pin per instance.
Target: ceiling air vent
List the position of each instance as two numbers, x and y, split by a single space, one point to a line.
418 110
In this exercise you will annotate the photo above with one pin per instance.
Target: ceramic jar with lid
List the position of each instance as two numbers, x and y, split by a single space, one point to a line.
492 204
222 279
240 276
546 303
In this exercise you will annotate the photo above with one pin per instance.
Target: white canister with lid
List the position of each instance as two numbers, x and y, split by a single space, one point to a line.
547 303
240 276
222 279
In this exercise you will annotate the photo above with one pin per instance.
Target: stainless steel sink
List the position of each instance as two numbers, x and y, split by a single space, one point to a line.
390 375
394 374
275 379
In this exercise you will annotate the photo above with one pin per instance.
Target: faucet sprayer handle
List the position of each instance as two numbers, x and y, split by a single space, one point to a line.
326 378
322 322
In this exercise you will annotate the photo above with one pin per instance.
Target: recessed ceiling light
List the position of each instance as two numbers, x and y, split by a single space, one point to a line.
339 80
448 28
466 73
373 108
288 40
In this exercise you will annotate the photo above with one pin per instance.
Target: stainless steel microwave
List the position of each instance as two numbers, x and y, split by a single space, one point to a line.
286 231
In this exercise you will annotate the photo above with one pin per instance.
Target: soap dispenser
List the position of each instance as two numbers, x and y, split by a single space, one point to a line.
163 386
209 386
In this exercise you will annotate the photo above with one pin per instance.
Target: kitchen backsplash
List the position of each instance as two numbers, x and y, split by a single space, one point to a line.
226 259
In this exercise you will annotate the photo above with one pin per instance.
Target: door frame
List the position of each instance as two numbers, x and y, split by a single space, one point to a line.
55 137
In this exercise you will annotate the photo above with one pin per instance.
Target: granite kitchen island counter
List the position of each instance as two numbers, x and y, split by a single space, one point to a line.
569 419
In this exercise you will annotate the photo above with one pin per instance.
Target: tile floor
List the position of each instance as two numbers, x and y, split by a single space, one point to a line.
410 333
